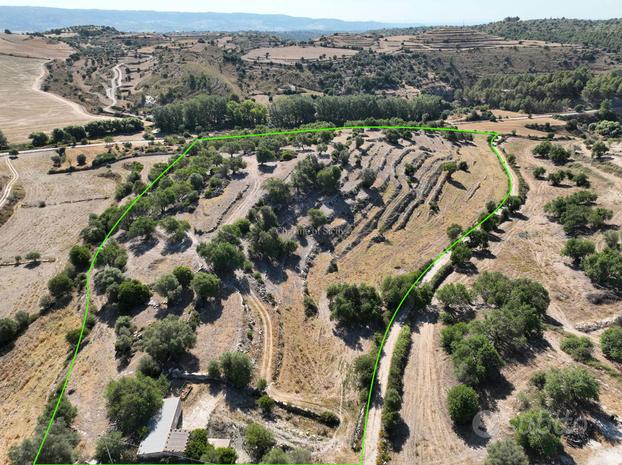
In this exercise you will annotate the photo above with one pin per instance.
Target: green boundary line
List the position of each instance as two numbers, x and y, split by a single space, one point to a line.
491 144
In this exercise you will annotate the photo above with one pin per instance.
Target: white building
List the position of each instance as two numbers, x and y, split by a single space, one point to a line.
165 436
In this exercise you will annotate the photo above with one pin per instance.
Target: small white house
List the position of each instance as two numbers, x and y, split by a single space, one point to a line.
165 437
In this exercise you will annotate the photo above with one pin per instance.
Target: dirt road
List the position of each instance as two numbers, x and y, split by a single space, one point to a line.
374 421
9 186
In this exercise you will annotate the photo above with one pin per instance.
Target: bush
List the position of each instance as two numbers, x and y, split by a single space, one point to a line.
538 432
132 293
580 348
213 369
393 399
265 404
354 304
475 360
8 331
236 368
570 387
81 159
578 249
611 343
168 286
206 285
329 419
60 285
460 255
604 268
184 276
149 367
462 404
108 279
454 295
506 452
132 401
80 257
275 455
258 440
223 256
454 231
112 448
168 339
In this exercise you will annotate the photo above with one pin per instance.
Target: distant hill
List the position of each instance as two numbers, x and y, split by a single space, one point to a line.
603 34
39 19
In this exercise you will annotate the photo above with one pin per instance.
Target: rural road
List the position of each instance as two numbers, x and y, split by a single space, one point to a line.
9 186
115 82
374 418
78 109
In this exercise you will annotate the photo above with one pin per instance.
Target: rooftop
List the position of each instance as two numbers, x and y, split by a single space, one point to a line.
160 427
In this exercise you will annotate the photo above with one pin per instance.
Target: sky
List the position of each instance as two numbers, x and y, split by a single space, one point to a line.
397 11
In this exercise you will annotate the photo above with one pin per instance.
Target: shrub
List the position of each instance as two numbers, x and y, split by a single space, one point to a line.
132 401
213 369
579 348
475 360
318 218
81 159
275 455
454 295
538 172
168 339
224 257
611 343
236 368
184 276
149 367
168 286
258 440
604 268
454 231
462 404
112 448
265 404
80 257
206 285
132 293
570 387
60 285
578 249
354 304
460 254
506 452
538 432
8 331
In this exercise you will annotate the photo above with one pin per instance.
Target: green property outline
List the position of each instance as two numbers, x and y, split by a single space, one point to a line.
493 136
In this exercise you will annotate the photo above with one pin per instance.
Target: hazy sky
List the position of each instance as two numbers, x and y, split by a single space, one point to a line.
417 11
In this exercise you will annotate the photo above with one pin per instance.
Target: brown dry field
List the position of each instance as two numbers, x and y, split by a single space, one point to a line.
291 54
33 47
529 248
518 125
25 109
39 355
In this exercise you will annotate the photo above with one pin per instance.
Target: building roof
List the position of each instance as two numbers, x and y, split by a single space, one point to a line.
160 426
219 442
176 441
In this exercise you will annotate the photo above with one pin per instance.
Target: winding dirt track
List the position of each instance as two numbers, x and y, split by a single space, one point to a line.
9 186
257 306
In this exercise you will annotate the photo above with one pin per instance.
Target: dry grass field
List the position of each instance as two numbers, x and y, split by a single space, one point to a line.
26 108
292 54
33 47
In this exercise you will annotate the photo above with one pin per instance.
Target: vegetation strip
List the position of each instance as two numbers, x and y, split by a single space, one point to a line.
492 137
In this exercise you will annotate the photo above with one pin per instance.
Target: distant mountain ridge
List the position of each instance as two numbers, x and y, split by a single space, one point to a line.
39 19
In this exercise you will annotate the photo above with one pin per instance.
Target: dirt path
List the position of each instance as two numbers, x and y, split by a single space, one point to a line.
374 420
111 92
257 306
77 109
9 186
425 351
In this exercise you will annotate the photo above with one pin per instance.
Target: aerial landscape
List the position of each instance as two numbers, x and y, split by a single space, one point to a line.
279 233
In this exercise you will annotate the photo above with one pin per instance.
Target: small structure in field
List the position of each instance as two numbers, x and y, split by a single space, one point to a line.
165 437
